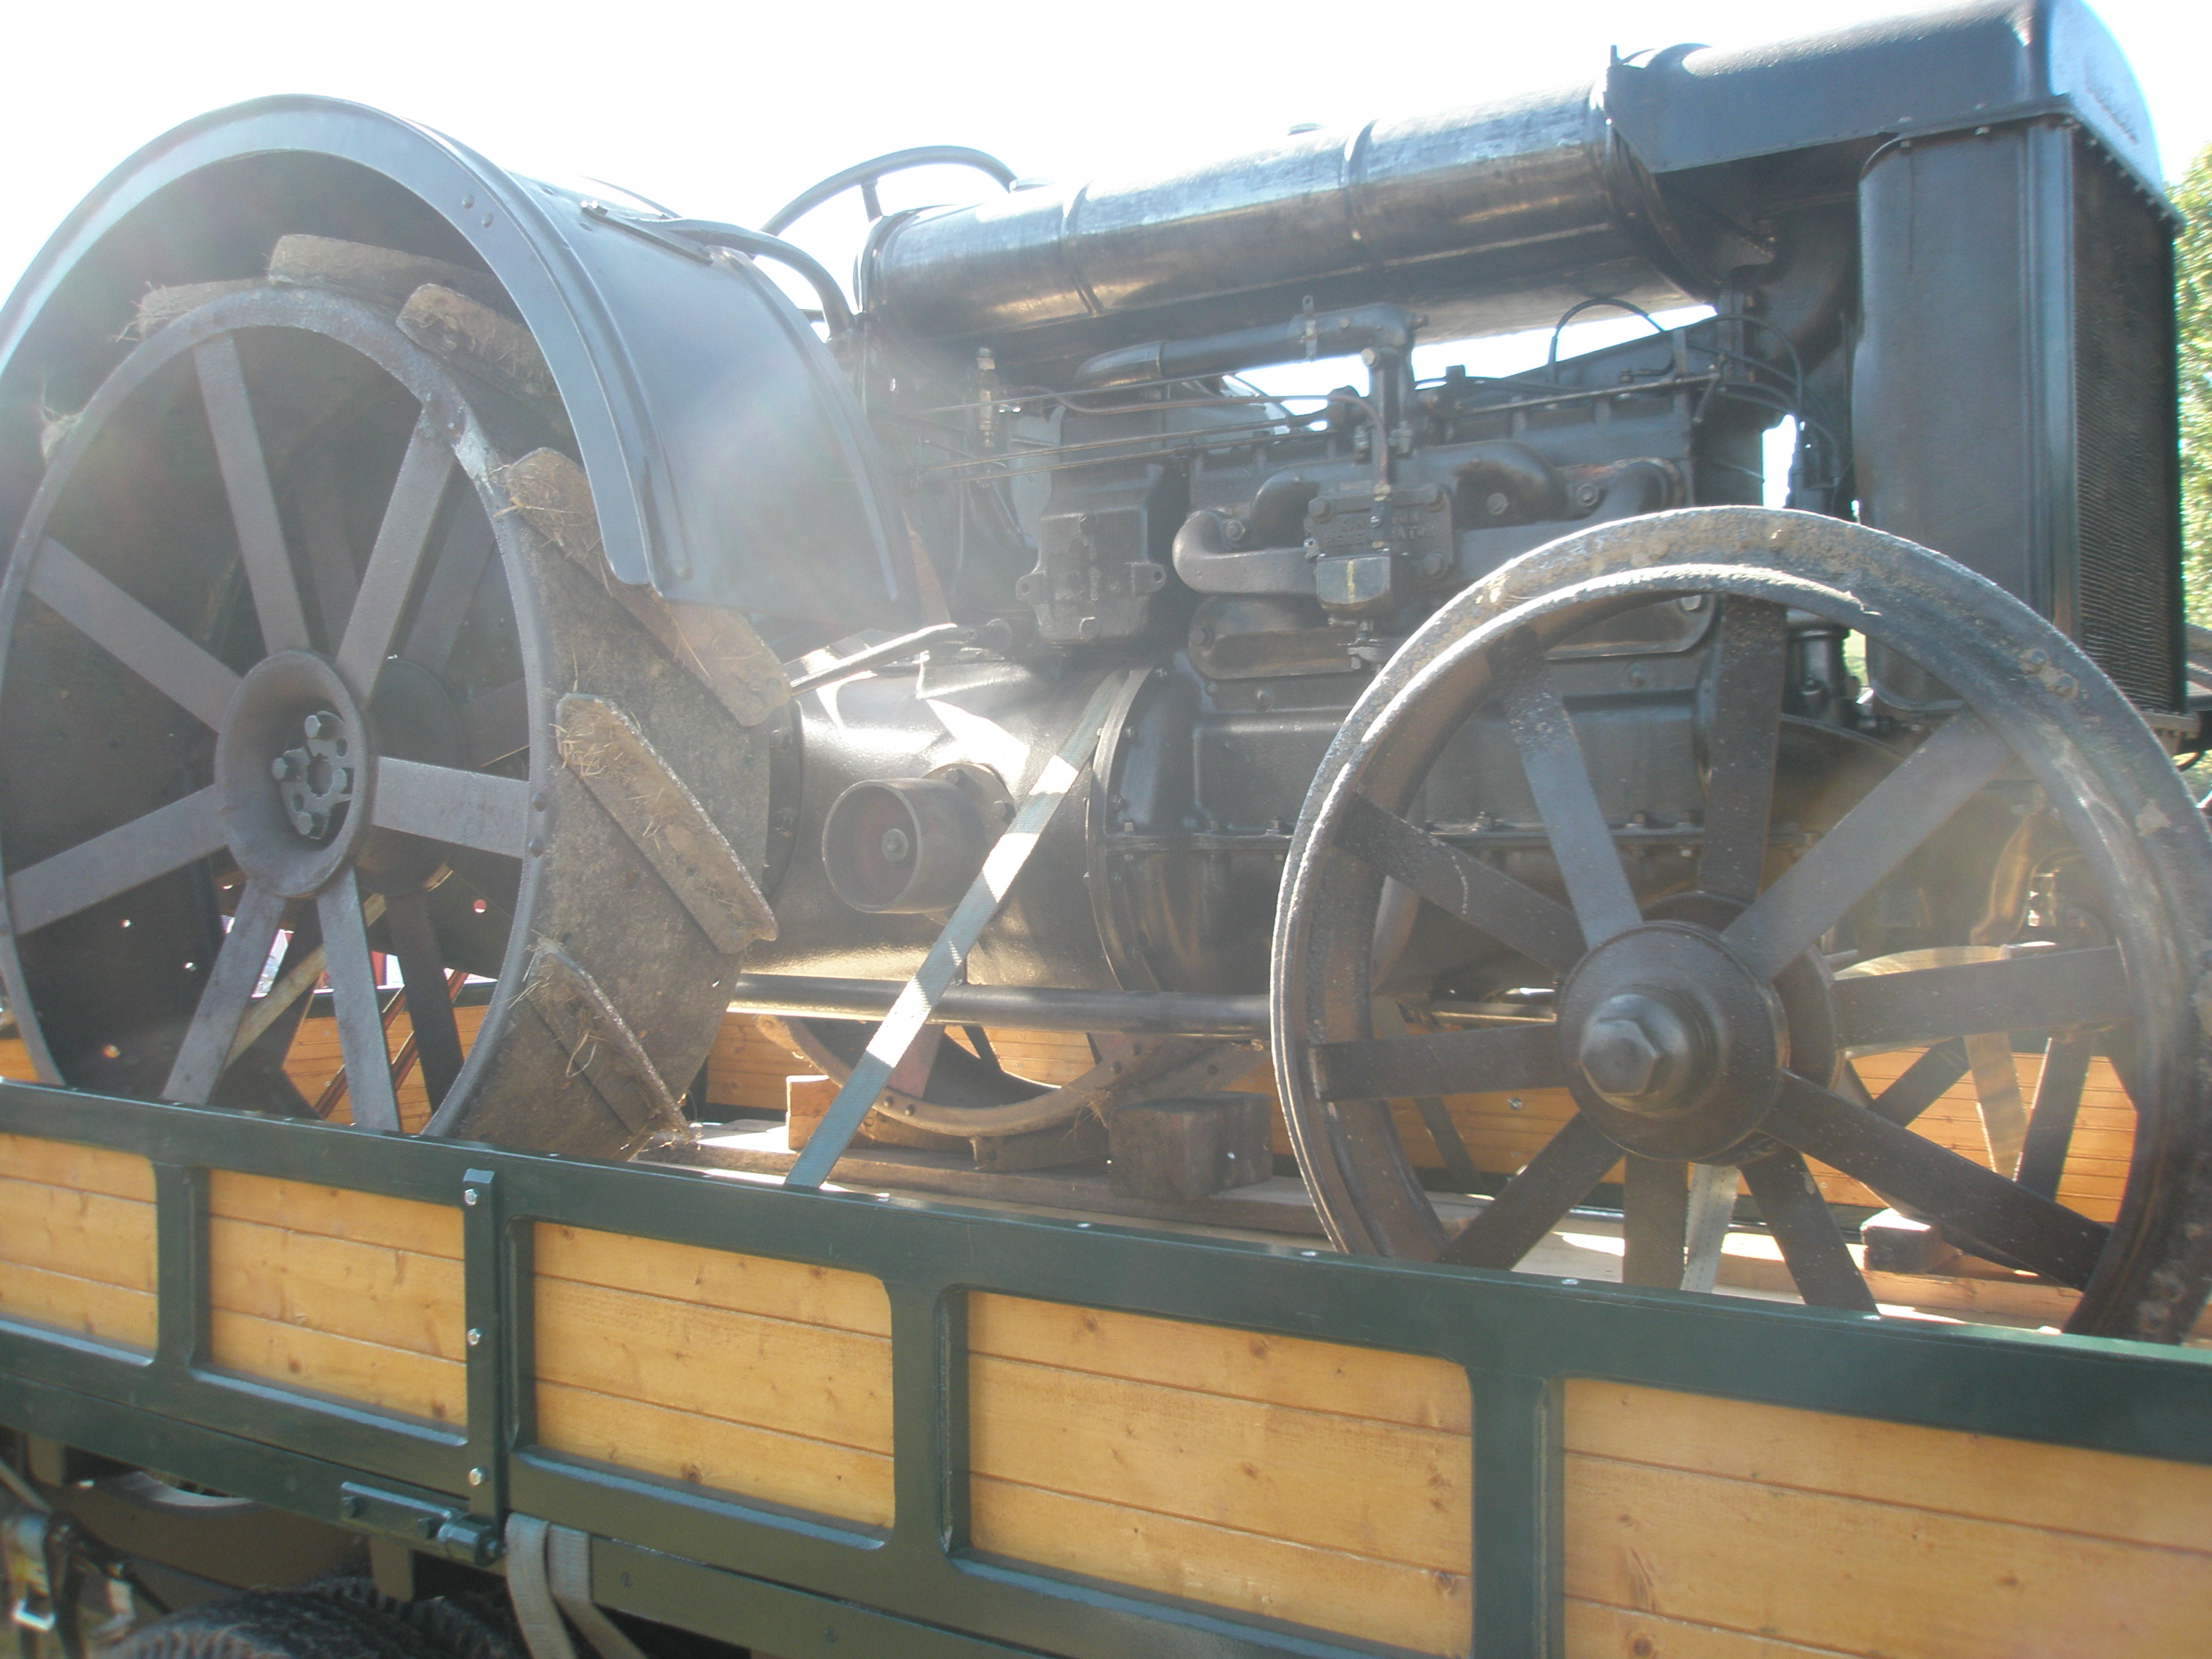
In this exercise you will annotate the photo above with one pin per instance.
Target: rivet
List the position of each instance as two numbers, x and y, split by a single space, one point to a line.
476 1477
476 1336
469 1196
537 802
2064 685
535 845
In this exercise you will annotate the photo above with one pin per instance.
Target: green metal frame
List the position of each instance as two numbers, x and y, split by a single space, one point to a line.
807 1587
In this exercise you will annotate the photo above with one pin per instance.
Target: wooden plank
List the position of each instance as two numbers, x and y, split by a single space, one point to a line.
1868 1578
711 1452
366 1373
301 1206
1282 1370
70 1163
90 1307
804 1291
746 1066
1358 1596
84 1234
1345 1483
765 1373
395 1299
2138 1500
1594 1632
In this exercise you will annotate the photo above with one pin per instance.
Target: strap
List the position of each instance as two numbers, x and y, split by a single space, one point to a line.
569 1562
549 1573
546 1637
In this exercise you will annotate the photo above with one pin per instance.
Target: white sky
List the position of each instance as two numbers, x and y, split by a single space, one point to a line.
726 111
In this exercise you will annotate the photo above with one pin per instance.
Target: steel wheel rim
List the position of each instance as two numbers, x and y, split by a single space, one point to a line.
1366 1187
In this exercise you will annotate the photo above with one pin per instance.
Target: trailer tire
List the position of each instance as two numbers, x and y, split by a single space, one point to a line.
335 1618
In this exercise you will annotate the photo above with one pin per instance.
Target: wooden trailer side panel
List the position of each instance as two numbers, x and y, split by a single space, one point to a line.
764 1379
349 1293
1317 1483
77 1239
1706 1529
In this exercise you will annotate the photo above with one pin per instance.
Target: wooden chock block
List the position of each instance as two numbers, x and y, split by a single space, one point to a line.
1896 1243
1179 1150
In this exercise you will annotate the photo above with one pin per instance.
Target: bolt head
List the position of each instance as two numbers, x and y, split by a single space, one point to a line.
897 846
1638 1050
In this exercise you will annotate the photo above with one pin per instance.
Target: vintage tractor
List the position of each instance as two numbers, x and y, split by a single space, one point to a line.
414 562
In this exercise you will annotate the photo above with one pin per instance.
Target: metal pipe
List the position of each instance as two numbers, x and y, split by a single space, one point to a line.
1019 1006
889 651
1310 334
1494 216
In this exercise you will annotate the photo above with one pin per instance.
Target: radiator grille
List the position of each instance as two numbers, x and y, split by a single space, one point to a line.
2128 607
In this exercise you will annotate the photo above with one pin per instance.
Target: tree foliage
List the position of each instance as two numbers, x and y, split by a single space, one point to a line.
2193 313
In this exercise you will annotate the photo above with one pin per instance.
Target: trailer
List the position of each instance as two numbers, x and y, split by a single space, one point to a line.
955 970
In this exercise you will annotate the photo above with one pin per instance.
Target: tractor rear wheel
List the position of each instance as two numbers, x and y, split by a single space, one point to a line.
309 663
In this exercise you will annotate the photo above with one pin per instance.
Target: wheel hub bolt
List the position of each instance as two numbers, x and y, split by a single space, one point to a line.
315 780
1638 1050
898 847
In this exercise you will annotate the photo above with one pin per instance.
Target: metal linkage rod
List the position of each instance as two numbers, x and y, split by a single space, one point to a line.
919 997
1019 1007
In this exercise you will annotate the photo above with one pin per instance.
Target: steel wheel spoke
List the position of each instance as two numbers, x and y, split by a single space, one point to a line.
360 1014
2058 1100
464 551
270 1023
2028 993
496 724
437 1039
1871 840
252 500
330 544
1654 1222
1459 1164
131 633
1551 1183
1972 1204
1574 823
1513 915
395 560
168 838
1489 1058
480 809
1924 1083
1753 648
223 1000
1812 1246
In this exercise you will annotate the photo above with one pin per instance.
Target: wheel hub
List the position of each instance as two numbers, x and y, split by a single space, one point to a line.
315 779
292 762
1675 1050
